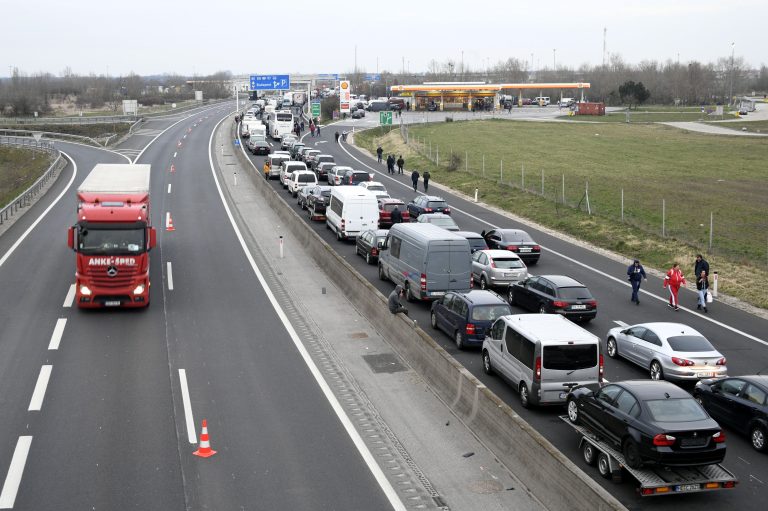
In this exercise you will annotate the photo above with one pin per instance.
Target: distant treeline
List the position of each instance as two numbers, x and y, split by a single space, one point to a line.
23 95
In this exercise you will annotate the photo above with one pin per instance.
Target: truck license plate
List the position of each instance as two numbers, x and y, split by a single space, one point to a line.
112 303
688 487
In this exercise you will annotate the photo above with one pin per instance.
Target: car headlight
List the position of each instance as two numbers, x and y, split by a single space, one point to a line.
139 289
84 290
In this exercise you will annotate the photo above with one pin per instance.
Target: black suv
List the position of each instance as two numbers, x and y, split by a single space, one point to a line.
468 316
427 204
355 177
554 294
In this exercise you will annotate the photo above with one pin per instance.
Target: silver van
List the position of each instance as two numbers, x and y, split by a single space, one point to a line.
543 355
426 260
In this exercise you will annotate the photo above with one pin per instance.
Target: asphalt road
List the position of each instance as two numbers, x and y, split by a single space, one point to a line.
738 335
93 401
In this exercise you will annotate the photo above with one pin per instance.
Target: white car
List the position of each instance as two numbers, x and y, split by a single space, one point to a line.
497 268
287 168
336 173
300 179
440 220
375 188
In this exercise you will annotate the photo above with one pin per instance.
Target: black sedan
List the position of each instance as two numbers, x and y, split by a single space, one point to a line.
259 147
427 204
514 240
369 243
318 198
740 402
554 294
653 422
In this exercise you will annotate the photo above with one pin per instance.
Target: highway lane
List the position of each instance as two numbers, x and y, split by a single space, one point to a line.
605 278
111 430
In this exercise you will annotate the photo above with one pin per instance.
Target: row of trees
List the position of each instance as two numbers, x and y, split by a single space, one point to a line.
686 83
23 95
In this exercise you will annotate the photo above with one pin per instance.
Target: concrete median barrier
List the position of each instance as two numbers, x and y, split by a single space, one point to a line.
549 475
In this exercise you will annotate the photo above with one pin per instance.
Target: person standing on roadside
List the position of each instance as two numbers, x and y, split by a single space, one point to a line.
415 180
700 265
391 163
702 286
636 274
400 164
379 152
312 128
337 136
426 180
673 280
317 128
301 127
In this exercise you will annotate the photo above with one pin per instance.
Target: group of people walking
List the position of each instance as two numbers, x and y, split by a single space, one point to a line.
400 163
673 281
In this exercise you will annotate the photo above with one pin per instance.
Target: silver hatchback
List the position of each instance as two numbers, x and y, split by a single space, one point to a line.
670 351
497 268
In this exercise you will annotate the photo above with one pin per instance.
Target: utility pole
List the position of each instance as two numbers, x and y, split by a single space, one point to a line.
730 93
605 34
554 59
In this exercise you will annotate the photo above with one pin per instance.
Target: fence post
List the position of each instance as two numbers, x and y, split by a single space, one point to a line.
622 205
522 176
711 226
663 218
542 182
466 161
563 188
586 194
483 165
501 171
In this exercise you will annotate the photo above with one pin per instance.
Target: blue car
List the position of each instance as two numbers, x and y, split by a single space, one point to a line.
468 316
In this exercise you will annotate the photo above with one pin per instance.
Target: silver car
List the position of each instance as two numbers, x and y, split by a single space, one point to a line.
440 220
670 351
336 173
497 268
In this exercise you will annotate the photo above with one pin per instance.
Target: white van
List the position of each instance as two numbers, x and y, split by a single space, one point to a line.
352 210
300 179
287 168
541 100
543 355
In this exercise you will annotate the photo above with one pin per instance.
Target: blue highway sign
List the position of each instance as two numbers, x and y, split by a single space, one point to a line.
270 82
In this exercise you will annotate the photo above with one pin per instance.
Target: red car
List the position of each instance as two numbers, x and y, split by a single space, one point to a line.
385 212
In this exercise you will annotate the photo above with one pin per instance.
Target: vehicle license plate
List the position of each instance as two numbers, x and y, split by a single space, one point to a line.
704 375
688 487
525 249
112 303
437 293
578 307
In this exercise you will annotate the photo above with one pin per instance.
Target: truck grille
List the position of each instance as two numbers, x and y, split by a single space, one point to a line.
99 277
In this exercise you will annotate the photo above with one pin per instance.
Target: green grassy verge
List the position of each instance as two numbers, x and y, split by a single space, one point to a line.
18 171
83 130
647 117
695 174
752 126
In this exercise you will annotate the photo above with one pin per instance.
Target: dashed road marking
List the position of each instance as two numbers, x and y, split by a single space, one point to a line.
170 277
70 299
15 471
36 403
58 331
190 420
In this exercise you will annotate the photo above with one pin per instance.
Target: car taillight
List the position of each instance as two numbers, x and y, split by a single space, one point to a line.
447 211
343 224
427 210
513 248
719 437
664 440
721 362
536 247
682 361
374 252
592 303
470 329
493 265
602 367
559 305
423 281
537 372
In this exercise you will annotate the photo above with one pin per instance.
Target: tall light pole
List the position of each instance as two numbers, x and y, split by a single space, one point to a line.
730 94
531 62
554 58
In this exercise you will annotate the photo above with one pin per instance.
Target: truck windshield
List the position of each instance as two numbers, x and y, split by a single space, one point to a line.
113 241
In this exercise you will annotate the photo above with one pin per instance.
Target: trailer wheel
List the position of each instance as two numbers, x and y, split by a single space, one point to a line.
589 453
603 465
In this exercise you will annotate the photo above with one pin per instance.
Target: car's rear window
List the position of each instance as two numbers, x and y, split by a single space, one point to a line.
520 236
325 158
437 204
506 264
574 293
307 178
377 188
389 207
477 244
442 222
689 343
676 410
489 312
569 357
360 177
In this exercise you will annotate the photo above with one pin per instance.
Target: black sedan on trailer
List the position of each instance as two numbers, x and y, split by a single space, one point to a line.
740 402
317 201
650 422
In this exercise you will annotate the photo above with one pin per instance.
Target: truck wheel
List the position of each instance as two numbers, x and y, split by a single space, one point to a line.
612 348
589 453
603 465
487 363
524 396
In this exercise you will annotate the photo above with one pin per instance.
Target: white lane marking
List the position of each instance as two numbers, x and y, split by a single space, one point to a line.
184 136
190 420
70 299
58 331
169 187
620 323
574 261
170 277
36 403
42 215
174 155
15 470
167 219
376 471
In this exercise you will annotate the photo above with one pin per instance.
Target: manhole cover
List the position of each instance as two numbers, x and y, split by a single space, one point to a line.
384 363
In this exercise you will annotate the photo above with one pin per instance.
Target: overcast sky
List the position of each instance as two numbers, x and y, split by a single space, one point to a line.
254 36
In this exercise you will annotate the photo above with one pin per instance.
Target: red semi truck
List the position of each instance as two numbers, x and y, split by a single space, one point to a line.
112 237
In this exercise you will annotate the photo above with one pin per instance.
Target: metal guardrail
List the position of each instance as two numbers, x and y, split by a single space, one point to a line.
68 120
54 135
24 199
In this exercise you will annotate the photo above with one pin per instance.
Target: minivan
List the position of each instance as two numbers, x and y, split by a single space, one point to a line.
544 355
351 210
275 164
287 168
426 260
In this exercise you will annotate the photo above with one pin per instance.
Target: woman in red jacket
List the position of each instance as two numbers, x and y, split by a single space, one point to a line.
673 280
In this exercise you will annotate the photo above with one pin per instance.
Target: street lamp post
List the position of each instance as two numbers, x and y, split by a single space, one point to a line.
554 59
730 93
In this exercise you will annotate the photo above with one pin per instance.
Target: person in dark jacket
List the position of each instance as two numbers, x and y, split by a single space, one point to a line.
400 164
700 265
394 301
636 274
390 164
397 216
426 181
415 180
379 152
702 286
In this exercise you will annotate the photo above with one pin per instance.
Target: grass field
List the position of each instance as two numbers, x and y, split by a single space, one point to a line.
647 117
18 171
752 126
695 174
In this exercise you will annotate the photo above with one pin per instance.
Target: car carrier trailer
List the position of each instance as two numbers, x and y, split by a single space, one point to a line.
653 480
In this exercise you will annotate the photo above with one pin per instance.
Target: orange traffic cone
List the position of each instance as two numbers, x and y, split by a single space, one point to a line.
204 451
173 168
169 223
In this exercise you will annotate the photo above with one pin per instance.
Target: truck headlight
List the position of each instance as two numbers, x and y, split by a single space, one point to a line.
84 290
139 289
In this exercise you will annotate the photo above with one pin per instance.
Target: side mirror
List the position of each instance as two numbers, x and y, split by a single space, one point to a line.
152 238
71 237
